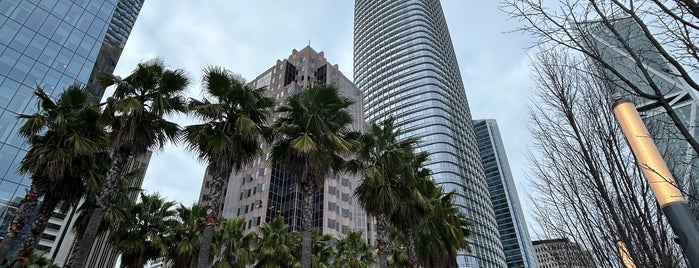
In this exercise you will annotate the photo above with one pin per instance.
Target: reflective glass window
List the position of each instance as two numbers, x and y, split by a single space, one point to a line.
49 26
7 189
8 31
36 46
8 6
22 12
61 8
47 4
21 68
7 60
36 19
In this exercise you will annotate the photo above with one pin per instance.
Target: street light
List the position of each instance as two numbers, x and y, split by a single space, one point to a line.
659 178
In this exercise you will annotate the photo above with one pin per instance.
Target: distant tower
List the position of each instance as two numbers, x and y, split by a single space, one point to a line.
561 253
503 194
52 44
405 64
259 193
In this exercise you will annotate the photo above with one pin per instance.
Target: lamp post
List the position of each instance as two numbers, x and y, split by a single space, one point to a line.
661 182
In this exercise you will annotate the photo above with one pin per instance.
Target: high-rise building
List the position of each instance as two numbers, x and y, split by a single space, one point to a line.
51 44
682 160
503 194
260 192
561 253
405 64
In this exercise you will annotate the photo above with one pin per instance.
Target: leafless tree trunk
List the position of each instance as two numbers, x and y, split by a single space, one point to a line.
589 187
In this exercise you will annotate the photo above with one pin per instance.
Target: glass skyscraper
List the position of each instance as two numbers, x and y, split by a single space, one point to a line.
405 64
514 235
51 44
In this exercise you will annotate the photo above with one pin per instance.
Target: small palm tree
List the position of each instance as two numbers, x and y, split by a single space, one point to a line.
381 159
61 135
135 115
237 249
228 139
311 140
275 247
142 237
443 232
323 252
184 239
353 252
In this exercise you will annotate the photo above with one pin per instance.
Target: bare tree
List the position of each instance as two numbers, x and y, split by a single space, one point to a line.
644 48
588 185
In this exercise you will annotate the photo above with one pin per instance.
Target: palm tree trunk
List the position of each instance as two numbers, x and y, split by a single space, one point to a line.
24 211
412 256
38 227
103 200
307 225
213 207
382 239
205 250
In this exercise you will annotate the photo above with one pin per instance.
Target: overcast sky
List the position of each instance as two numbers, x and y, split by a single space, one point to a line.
248 37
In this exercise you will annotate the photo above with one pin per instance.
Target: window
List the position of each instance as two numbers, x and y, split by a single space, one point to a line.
345 197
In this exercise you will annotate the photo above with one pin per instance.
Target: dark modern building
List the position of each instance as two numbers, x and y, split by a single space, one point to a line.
503 194
405 64
260 192
51 44
682 160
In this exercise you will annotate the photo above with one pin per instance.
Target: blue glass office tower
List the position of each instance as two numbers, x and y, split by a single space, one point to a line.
52 44
405 64
514 236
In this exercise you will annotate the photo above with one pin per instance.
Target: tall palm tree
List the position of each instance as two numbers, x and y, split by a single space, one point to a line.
229 137
135 115
60 135
381 159
142 237
184 239
311 141
353 252
275 246
68 191
415 202
237 249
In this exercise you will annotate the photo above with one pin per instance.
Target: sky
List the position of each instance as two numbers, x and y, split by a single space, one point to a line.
248 37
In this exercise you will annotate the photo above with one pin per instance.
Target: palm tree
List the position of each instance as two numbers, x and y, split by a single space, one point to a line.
275 247
68 192
141 237
397 253
312 138
238 249
443 232
415 202
61 135
353 252
228 138
323 252
381 159
184 239
135 115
